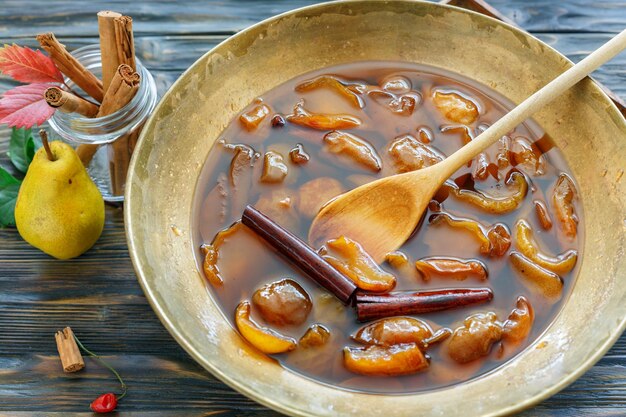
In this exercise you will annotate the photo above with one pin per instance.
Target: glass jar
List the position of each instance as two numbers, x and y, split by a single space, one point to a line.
122 125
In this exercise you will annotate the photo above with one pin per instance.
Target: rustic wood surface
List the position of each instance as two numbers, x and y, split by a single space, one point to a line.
98 295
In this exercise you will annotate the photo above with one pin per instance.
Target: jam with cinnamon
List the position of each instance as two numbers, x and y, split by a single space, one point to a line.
500 242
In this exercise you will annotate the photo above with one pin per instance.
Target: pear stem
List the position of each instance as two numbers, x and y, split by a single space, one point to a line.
44 139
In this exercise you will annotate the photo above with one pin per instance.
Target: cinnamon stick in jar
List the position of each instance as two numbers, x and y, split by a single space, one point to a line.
125 41
123 88
121 91
117 47
70 66
86 153
133 138
108 46
123 147
69 103
71 359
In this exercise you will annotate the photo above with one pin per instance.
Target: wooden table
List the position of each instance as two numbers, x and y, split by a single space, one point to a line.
98 295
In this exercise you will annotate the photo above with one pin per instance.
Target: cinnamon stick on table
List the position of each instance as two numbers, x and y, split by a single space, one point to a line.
108 46
69 103
70 66
71 359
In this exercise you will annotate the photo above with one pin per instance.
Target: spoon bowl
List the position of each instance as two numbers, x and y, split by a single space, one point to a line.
379 215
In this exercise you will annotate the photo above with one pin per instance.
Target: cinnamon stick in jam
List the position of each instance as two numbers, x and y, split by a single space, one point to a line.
300 254
377 306
70 66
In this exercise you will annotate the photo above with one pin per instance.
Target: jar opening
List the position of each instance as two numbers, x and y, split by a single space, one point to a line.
76 128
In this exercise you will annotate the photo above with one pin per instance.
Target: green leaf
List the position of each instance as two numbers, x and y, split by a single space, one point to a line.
9 187
21 148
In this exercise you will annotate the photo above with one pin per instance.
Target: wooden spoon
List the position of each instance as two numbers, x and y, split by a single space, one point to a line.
382 215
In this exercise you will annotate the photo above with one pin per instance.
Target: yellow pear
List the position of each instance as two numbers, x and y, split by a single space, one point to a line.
59 209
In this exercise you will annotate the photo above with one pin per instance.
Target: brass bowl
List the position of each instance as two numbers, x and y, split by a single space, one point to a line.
179 135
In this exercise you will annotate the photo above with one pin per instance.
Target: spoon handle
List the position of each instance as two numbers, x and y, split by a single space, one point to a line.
534 103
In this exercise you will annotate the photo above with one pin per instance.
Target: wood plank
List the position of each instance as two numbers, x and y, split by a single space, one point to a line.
565 16
187 386
576 46
540 411
25 18
178 382
232 411
110 327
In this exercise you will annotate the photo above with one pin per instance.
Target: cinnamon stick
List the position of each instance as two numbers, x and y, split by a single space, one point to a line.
69 103
125 41
133 138
300 254
86 153
108 46
71 359
123 147
70 66
122 89
376 306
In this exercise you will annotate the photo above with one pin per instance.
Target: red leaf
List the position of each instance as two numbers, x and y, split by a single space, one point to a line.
24 106
28 66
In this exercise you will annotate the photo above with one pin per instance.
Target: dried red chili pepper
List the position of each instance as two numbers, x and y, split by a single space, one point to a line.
104 403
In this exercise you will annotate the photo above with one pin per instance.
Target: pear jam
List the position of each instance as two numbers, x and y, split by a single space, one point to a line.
482 276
